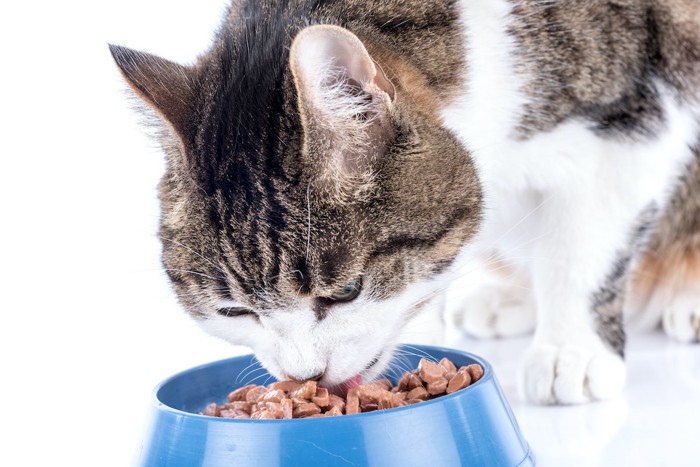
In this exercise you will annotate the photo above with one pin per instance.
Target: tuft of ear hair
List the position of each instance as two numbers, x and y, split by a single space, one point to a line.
344 98
167 87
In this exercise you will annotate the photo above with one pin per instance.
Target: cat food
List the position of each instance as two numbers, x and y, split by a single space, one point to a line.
291 399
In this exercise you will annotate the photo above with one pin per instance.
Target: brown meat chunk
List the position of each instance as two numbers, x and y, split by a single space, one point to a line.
275 408
459 381
297 401
418 393
254 394
274 395
369 407
240 393
292 399
322 397
387 401
212 410
430 371
306 410
437 387
475 371
336 401
263 415
450 368
372 393
231 413
385 383
239 405
353 402
306 391
286 386
287 408
409 381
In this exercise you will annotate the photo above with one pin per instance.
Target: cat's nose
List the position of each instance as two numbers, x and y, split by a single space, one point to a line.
313 376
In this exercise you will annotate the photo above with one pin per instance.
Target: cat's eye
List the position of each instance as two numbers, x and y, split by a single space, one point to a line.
349 292
235 311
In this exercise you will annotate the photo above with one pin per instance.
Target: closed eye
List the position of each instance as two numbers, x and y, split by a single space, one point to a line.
348 293
235 311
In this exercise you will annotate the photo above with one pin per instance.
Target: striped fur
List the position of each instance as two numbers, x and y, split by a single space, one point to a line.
290 178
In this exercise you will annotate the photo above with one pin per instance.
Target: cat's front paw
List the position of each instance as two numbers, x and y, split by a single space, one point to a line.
681 319
496 311
571 374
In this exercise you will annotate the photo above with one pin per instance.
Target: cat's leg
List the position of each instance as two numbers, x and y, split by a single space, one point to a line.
579 271
492 299
666 287
681 318
492 295
668 277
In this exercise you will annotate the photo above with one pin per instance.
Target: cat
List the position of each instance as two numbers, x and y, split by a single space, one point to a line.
333 165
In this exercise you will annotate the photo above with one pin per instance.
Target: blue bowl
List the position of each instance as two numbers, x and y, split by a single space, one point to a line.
472 427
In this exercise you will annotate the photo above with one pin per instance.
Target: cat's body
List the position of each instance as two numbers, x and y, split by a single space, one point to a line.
327 179
592 120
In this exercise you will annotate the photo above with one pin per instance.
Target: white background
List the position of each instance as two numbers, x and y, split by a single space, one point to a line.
89 324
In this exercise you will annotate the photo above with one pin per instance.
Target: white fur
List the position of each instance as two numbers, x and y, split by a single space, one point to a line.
489 302
560 204
681 319
294 343
498 310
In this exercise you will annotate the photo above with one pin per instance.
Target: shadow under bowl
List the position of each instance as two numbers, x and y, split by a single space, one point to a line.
474 426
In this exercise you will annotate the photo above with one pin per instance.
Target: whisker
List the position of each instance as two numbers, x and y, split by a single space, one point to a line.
250 373
421 353
524 218
400 364
195 273
308 231
253 361
258 377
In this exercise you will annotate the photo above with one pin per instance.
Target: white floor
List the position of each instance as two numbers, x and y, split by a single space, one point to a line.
655 423
88 324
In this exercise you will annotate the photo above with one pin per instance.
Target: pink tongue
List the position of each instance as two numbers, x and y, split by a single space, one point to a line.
353 382
343 388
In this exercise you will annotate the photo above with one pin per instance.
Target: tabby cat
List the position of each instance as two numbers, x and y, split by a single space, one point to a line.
332 164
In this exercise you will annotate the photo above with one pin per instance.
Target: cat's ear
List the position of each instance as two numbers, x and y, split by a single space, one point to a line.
165 86
344 97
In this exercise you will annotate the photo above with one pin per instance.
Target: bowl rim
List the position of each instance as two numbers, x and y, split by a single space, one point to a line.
162 407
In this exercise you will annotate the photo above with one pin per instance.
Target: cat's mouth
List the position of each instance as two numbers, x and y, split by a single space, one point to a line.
343 388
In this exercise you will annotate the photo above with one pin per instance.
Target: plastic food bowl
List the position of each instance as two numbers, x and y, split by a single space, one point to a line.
474 426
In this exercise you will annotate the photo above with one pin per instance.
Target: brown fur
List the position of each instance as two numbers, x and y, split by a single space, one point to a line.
600 60
243 215
670 264
666 272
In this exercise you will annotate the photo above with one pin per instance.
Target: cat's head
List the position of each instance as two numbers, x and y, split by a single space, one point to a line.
309 206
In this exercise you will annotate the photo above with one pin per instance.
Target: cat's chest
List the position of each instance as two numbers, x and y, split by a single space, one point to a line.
560 158
487 113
